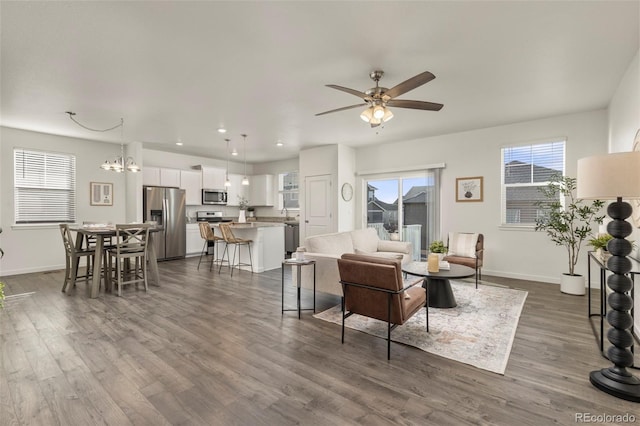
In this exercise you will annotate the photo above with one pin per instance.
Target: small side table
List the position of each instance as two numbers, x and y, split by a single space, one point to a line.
300 264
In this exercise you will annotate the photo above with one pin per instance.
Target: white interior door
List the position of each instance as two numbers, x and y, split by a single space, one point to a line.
318 218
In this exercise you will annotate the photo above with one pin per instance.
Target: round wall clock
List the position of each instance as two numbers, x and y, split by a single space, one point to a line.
347 191
635 216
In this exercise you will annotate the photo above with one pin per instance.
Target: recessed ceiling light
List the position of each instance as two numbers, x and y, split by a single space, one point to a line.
279 143
179 143
222 130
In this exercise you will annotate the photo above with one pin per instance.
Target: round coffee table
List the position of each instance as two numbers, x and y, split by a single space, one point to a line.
439 293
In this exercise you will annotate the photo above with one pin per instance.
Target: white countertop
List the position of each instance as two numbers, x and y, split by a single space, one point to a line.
248 225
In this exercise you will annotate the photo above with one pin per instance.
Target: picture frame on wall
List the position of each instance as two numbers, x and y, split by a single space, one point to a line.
469 189
101 194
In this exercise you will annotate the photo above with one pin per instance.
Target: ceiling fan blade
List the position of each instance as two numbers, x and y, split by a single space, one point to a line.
351 91
410 84
341 109
375 124
429 106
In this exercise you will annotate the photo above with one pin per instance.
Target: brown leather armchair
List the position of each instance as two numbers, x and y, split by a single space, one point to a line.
471 262
372 286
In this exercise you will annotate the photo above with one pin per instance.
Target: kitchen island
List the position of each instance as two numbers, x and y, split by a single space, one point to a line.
267 249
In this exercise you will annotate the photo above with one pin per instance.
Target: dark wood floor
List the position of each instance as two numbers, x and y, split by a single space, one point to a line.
208 349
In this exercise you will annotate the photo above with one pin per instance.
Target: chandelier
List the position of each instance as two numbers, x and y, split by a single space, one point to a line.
120 163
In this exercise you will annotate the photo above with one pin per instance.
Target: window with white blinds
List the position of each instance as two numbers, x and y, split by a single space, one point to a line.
526 168
45 186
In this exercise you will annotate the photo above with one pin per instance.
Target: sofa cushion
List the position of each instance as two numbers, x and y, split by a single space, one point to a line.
338 243
365 239
463 245
388 255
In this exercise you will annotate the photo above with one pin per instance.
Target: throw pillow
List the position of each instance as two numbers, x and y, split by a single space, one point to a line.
462 244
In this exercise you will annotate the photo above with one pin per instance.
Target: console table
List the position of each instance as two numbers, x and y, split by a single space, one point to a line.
602 264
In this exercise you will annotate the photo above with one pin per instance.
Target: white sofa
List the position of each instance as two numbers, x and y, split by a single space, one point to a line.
326 249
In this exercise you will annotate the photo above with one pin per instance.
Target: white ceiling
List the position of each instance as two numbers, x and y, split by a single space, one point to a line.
179 70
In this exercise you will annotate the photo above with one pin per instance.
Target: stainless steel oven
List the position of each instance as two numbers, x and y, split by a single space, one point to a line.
214 196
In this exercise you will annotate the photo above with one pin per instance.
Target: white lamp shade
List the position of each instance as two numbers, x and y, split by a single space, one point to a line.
367 114
605 177
378 112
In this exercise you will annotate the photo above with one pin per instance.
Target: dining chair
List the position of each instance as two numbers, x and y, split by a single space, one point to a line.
129 255
73 255
232 240
209 237
89 242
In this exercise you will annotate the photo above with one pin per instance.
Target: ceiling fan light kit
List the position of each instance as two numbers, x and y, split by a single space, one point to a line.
378 99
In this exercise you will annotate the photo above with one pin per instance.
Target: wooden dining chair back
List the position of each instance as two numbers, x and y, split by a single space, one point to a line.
129 255
209 237
373 286
73 254
231 240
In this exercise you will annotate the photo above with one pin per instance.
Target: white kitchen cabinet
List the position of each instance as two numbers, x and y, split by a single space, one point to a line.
212 177
261 190
151 176
170 177
194 241
237 189
191 182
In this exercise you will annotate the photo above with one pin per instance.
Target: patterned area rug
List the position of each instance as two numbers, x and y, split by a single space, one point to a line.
479 331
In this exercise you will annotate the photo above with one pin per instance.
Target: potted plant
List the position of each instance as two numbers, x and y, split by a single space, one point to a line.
243 203
599 244
439 248
392 230
567 221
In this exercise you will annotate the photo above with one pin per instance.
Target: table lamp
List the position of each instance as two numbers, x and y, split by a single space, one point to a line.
614 177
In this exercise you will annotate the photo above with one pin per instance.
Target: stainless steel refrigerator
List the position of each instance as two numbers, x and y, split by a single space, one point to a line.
166 206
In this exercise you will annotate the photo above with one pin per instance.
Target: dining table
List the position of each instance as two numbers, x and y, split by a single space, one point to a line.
101 232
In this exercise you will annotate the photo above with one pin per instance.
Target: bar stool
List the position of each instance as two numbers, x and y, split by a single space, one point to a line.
231 239
207 234
73 254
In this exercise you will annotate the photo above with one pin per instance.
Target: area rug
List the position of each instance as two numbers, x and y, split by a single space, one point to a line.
479 331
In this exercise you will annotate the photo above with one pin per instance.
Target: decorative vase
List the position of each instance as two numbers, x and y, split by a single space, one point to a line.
572 284
394 236
242 217
440 256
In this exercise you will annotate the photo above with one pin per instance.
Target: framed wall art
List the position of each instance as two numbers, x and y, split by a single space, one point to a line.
101 194
469 189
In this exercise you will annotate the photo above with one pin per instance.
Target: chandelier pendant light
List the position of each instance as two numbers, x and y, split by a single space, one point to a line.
120 163
227 182
245 179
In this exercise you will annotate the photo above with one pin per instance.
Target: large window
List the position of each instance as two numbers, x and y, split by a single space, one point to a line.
526 168
288 191
45 187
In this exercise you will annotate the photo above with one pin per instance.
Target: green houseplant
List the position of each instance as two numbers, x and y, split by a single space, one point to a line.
437 246
567 224
599 243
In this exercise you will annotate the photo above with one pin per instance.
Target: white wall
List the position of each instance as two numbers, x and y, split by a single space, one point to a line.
346 174
510 253
624 122
39 248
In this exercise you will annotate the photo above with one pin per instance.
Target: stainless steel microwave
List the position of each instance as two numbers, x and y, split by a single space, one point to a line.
214 196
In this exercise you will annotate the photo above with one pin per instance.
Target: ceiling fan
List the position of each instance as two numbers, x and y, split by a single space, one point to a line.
377 99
